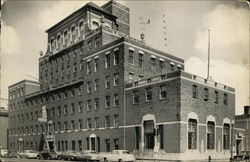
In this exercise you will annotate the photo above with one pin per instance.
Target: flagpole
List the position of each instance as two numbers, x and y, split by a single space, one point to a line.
208 64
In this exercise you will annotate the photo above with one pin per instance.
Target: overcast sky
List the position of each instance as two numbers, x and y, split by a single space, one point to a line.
186 27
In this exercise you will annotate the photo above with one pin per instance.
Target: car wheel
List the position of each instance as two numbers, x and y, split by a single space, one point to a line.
120 160
105 160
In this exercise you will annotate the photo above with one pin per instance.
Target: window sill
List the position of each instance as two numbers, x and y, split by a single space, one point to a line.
162 99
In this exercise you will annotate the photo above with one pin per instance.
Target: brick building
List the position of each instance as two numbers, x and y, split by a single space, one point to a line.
4 128
102 90
243 139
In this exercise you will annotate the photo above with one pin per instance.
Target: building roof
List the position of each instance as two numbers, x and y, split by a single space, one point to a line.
90 5
25 81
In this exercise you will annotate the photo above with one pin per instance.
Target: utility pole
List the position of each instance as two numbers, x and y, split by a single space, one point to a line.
208 63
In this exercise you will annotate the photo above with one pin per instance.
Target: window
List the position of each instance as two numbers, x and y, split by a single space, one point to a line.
81 65
107 101
216 96
89 105
96 104
80 90
116 100
107 61
52 112
65 126
89 45
149 94
161 64
136 98
96 84
89 123
75 68
163 91
96 64
59 111
73 125
81 27
116 79
153 64
65 109
131 77
73 33
73 108
80 123
225 99
88 87
192 133
97 42
226 136
131 57
59 126
96 122
107 121
116 143
68 70
80 107
140 60
107 141
116 57
107 82
73 145
210 135
206 95
195 91
80 145
65 94
88 67
116 120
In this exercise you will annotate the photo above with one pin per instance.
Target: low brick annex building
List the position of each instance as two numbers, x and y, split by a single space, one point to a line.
101 89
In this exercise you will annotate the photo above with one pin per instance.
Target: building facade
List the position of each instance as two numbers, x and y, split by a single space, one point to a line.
4 128
101 89
243 122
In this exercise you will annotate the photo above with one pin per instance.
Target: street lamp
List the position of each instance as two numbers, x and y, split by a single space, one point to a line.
20 141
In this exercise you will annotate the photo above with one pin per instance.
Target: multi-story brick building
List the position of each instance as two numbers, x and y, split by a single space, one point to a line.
104 90
243 139
4 128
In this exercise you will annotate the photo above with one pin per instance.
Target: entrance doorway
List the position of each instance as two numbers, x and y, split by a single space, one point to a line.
238 146
51 145
93 143
149 134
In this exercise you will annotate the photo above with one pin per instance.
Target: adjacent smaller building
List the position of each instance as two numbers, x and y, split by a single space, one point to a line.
4 128
243 122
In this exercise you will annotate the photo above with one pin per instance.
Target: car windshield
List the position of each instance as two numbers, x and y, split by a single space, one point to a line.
125 152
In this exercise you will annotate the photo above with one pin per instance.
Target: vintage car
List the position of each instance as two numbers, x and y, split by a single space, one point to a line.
118 155
88 155
50 155
29 154
3 152
240 158
68 155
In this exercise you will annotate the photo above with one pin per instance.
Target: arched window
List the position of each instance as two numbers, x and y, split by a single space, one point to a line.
95 25
66 37
192 134
59 43
210 135
73 33
52 42
226 136
81 28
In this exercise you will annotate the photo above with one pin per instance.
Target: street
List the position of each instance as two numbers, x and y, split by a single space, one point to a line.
37 160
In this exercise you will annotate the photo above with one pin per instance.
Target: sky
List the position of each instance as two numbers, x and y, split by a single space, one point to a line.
179 28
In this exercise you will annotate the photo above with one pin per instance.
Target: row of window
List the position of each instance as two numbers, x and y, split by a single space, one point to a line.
65 126
193 130
51 113
149 94
206 97
153 61
16 92
91 144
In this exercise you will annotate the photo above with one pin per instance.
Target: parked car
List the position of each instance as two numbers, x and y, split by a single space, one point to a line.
29 154
12 154
68 155
50 155
4 152
88 155
118 155
238 158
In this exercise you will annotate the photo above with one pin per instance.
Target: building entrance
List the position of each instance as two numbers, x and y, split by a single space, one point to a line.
149 134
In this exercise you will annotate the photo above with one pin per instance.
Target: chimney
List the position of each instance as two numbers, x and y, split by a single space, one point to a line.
247 110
